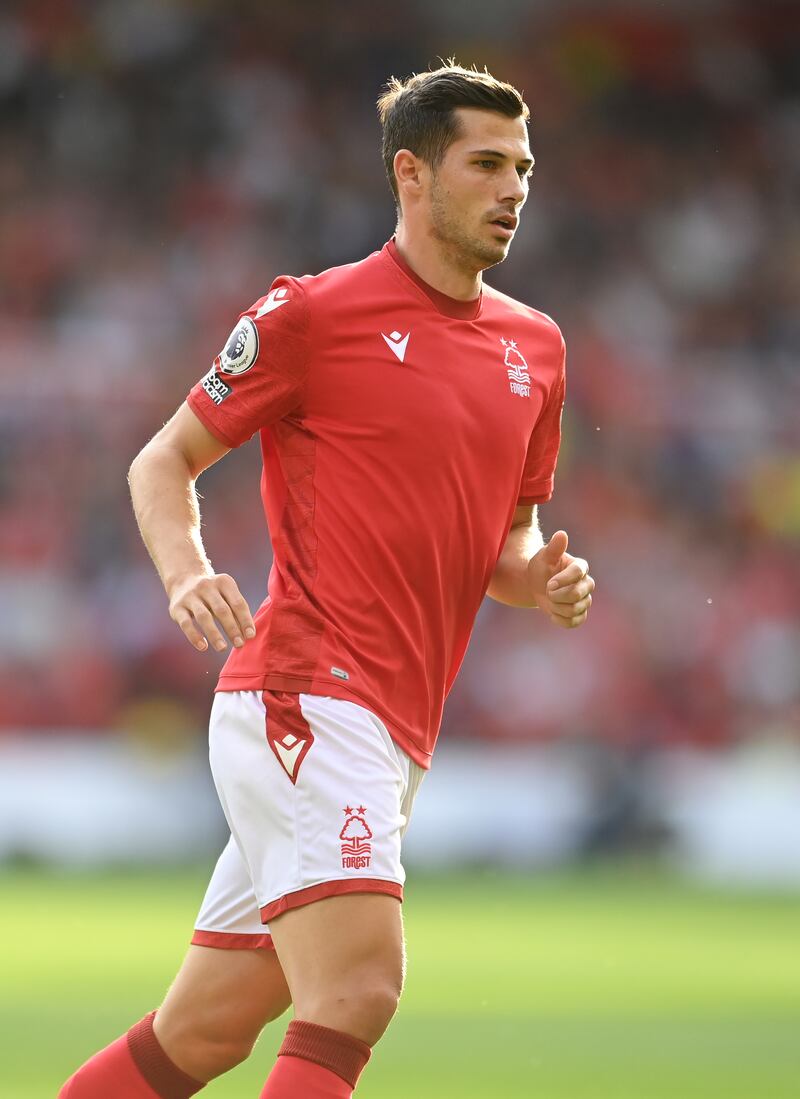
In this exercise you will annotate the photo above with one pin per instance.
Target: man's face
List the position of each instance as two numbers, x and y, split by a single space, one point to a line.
477 191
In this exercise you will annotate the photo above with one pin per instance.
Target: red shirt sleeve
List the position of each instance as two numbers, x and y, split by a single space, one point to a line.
540 462
260 374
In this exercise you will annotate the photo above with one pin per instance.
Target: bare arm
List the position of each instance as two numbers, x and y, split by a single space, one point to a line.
509 583
162 482
532 573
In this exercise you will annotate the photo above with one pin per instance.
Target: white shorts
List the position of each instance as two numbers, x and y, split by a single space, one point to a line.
317 796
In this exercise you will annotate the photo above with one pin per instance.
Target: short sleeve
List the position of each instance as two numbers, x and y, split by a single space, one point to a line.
538 474
260 374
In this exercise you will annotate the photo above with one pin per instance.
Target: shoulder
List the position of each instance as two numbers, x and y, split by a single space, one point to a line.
286 312
294 302
504 306
327 284
331 279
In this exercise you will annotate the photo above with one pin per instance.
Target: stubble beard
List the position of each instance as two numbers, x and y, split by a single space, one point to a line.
470 252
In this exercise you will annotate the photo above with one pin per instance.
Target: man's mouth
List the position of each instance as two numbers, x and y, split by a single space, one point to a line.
506 222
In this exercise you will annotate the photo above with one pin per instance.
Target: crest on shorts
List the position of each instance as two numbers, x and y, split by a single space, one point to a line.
355 837
290 747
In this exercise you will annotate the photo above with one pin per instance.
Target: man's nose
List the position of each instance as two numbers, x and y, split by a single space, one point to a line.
513 189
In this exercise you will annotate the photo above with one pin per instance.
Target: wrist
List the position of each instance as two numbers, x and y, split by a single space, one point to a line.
537 584
174 581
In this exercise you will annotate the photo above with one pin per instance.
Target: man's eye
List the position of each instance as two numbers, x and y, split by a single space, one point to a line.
487 163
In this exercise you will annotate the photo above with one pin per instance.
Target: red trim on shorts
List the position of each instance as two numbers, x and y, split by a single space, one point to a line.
228 940
329 889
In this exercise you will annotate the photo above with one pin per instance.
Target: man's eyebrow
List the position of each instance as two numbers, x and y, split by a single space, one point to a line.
502 156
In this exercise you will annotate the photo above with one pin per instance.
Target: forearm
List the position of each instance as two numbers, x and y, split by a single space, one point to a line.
166 508
510 582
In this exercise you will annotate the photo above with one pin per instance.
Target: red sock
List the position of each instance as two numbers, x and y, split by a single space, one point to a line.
316 1062
133 1067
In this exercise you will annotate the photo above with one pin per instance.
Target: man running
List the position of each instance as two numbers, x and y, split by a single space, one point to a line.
409 420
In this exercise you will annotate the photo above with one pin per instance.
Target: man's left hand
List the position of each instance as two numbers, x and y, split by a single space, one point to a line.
561 583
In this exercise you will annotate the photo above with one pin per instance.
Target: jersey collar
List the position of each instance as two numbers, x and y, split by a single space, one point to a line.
451 307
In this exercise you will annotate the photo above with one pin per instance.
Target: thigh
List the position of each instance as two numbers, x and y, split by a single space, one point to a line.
231 983
224 996
344 961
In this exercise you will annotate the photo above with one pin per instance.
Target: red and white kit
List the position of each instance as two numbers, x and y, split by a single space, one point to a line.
399 430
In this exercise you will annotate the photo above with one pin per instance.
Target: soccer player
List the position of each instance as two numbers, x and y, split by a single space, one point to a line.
409 419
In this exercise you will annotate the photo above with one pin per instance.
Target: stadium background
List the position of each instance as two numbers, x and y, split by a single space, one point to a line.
160 163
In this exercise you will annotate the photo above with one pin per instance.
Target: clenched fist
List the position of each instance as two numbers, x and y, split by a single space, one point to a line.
561 583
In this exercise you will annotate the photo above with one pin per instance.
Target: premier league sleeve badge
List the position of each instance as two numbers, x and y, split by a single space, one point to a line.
241 350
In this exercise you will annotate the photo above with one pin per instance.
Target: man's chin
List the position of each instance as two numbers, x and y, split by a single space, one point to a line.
490 253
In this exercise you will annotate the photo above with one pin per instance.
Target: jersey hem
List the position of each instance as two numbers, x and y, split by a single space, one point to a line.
538 493
336 888
331 688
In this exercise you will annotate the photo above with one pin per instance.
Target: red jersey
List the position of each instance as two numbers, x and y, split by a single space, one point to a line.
399 430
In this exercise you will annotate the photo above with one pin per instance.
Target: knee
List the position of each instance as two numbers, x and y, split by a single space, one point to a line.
204 1048
280 1005
380 1003
219 1054
363 1009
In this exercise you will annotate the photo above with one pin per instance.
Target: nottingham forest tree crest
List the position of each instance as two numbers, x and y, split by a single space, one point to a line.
355 837
518 377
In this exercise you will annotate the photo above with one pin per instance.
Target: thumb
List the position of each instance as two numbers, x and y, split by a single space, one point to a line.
556 548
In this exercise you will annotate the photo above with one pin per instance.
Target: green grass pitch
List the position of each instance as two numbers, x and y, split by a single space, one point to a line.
601 984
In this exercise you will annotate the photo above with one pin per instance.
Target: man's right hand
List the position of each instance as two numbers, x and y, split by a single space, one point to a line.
197 601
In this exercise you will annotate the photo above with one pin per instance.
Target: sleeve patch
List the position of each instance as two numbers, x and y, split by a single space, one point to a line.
214 386
241 350
260 375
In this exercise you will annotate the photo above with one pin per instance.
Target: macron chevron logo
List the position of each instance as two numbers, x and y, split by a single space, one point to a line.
274 300
290 750
397 343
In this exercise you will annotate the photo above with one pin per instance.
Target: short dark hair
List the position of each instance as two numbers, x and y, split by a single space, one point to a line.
419 113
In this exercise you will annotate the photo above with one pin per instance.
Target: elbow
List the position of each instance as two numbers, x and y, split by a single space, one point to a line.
134 467
157 459
140 464
131 472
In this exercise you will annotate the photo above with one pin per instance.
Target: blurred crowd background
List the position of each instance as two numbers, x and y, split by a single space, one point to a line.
161 163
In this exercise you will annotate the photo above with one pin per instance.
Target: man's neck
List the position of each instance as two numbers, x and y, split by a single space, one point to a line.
428 259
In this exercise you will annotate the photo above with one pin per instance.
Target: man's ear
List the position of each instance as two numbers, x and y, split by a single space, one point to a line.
407 169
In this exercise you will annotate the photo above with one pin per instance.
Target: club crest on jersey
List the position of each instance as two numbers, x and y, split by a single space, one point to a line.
519 379
355 837
241 350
